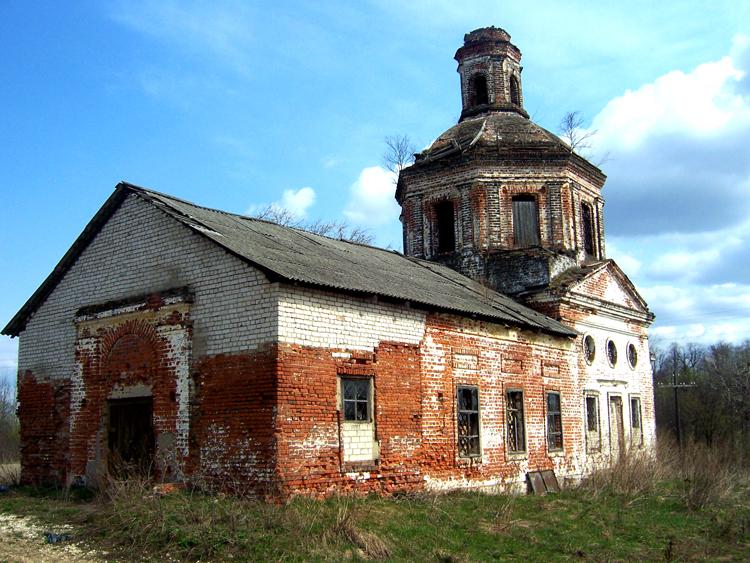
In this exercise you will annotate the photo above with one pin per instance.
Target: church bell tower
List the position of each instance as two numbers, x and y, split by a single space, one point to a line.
497 197
490 69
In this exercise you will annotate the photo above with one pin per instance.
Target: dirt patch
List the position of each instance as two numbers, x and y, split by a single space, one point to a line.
23 539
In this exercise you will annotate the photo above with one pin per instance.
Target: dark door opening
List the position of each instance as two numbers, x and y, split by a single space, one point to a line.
131 436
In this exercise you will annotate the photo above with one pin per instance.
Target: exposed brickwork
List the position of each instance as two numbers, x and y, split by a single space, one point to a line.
489 53
234 304
43 410
131 355
505 360
244 373
233 423
603 306
234 309
310 452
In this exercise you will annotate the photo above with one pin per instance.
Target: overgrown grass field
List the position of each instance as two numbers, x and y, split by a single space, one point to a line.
694 507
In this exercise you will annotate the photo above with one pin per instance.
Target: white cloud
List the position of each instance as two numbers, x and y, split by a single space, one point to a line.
699 103
700 313
677 196
629 263
295 201
371 198
679 149
298 201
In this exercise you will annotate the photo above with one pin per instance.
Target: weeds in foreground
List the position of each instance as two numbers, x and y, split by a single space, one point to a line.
370 544
10 474
705 476
674 506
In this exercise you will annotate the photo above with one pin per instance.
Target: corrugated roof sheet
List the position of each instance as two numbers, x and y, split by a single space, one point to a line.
294 255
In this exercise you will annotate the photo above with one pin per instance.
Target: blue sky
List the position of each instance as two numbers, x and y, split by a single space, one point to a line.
237 104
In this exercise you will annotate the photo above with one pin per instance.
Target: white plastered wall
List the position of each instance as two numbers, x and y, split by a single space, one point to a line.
605 381
140 250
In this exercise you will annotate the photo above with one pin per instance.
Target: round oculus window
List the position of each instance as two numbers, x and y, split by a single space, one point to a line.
589 348
611 353
632 355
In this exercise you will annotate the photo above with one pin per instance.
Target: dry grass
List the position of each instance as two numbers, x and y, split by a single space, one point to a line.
370 545
711 476
10 474
706 476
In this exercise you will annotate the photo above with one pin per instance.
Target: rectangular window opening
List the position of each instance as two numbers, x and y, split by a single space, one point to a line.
445 226
515 422
587 224
554 422
468 421
636 426
525 221
356 399
593 434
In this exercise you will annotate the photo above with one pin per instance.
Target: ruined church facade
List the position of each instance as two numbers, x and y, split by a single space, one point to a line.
235 354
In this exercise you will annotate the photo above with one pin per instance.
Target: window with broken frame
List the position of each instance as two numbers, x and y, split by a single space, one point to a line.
554 422
636 421
593 429
515 421
467 399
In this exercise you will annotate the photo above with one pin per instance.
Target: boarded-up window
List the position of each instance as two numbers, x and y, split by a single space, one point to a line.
445 226
554 422
468 421
479 86
587 224
515 91
516 429
525 221
593 434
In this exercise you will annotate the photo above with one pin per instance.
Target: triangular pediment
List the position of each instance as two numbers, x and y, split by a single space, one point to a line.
607 283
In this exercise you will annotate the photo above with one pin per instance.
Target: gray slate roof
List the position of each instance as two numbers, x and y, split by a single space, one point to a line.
293 255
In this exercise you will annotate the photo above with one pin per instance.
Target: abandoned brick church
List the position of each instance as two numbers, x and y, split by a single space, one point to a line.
242 355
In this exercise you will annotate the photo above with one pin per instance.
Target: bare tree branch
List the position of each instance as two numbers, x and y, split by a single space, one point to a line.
337 229
573 133
9 437
399 152
279 215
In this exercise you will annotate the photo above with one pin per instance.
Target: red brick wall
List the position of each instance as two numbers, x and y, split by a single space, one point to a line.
43 411
128 354
531 364
309 455
415 410
232 418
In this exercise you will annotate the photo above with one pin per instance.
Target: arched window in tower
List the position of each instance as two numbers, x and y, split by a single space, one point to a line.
515 91
445 228
587 225
479 90
525 220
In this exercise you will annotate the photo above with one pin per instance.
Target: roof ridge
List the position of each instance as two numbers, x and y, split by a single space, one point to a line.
137 189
